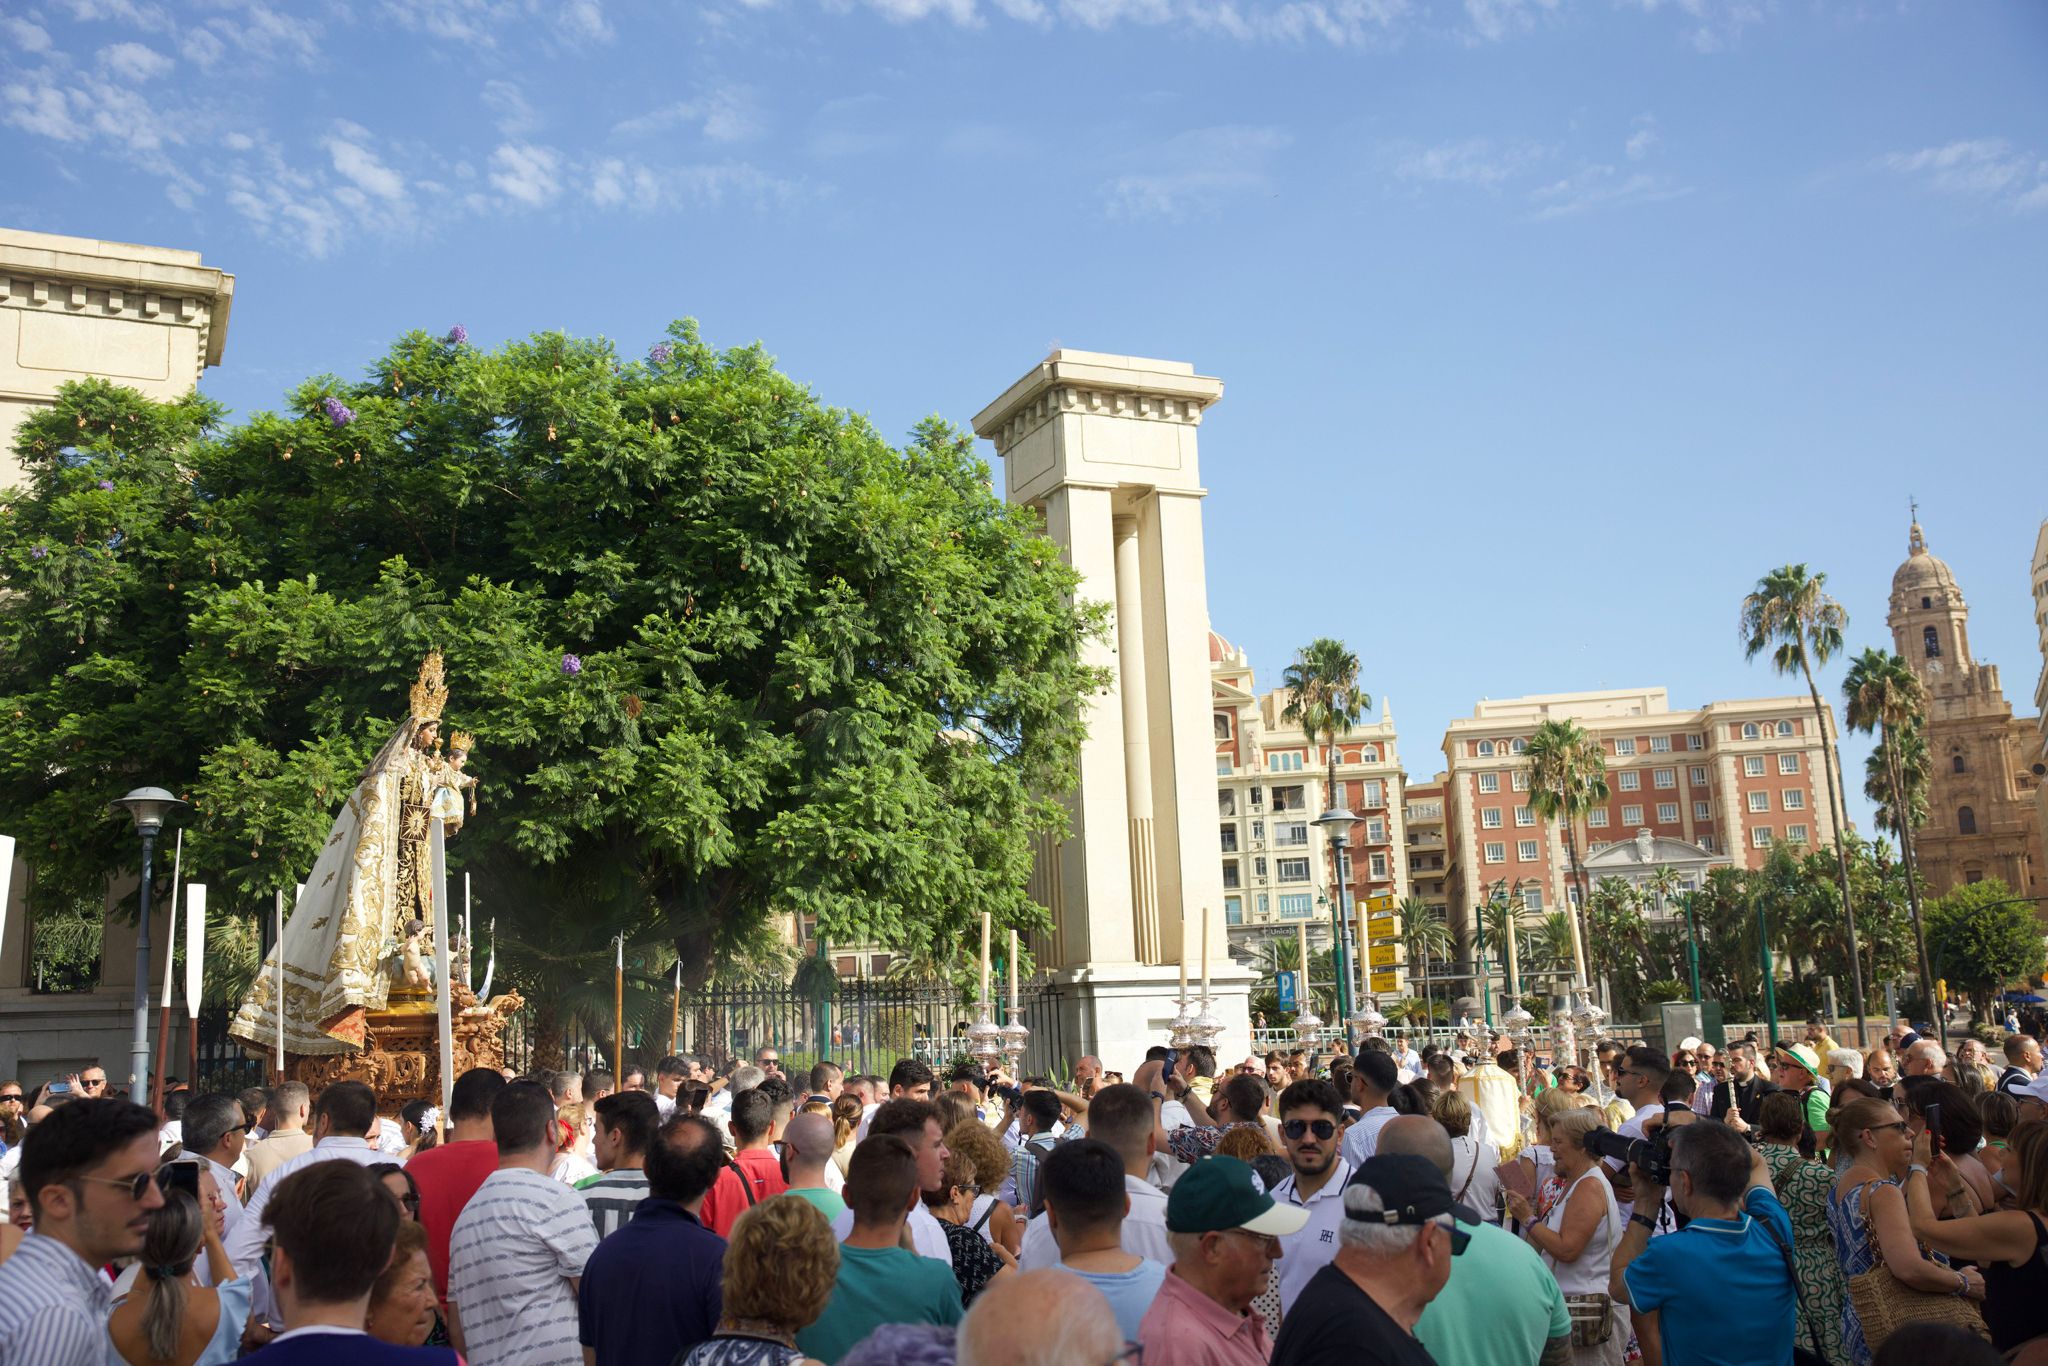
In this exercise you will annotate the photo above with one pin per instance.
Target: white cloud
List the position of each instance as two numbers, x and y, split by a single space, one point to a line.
527 173
614 182
905 11
722 115
1473 161
1712 25
1493 20
515 116
1641 143
202 47
1602 187
25 36
584 21
1988 169
348 146
134 62
1197 172
41 108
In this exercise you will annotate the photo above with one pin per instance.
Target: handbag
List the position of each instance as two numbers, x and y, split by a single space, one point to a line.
1592 1319
1801 1356
1884 1303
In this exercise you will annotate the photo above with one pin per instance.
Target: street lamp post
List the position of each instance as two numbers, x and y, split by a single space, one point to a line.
1336 824
1763 943
148 806
1692 947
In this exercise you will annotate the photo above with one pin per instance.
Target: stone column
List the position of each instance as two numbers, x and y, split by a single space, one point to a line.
1133 694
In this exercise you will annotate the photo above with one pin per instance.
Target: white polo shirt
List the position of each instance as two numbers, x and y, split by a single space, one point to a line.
1305 1253
1363 1137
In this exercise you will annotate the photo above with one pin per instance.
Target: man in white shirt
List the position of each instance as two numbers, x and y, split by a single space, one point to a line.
669 1075
516 1256
909 1079
1120 1115
216 1132
341 1123
915 1122
1373 1079
1310 1111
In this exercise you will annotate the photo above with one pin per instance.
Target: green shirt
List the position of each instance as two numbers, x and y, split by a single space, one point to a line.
829 1203
878 1285
1499 1307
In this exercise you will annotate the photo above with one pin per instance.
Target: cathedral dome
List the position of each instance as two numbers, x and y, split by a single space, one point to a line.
1922 572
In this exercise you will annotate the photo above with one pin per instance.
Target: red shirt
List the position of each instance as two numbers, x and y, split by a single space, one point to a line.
447 1176
727 1201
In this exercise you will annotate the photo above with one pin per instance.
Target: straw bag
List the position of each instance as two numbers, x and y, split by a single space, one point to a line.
1884 1303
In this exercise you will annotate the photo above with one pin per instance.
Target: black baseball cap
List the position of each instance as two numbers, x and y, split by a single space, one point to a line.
1411 1192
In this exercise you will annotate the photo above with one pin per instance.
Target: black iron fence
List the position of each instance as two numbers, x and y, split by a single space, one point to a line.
224 1063
866 1026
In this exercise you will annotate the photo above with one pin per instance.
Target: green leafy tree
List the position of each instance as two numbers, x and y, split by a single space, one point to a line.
727 653
1982 936
1425 937
1325 700
1567 778
1886 696
1790 609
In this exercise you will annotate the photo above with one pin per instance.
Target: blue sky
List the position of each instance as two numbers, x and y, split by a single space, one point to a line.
1547 325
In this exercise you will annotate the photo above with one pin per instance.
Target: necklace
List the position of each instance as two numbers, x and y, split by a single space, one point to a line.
759 1328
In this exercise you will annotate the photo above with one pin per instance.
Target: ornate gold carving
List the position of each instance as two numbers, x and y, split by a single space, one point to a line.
400 1060
430 693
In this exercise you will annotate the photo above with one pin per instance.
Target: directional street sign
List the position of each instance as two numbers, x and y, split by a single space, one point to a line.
1384 955
1384 981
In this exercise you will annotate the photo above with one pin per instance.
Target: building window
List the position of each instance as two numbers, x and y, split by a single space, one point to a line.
1489 782
1532 899
1290 834
1660 744
1484 749
1296 905
1667 812
1760 837
1258 830
1957 763
1223 766
1966 821
1749 730
1699 775
1753 765
1667 777
1525 850
1369 755
1973 876
1519 745
1490 818
1793 799
1695 742
1226 802
1701 811
1784 729
1258 796
1230 872
1290 798
1759 801
1284 761
1293 869
1628 780
1222 725
1265 906
1706 842
1788 763
1521 783
1344 867
1796 834
1931 642
1230 839
1375 793
1625 747
1376 830
1379 865
1631 815
1597 817
1496 853
1233 910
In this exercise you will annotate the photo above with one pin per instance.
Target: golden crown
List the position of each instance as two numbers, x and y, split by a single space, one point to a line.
461 740
430 694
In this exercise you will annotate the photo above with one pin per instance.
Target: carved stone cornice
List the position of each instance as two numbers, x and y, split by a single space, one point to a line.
1062 399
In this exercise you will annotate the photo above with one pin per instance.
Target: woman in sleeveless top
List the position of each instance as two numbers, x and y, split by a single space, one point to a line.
989 1162
1577 1236
2006 1244
167 1318
1868 1215
780 1265
1803 1185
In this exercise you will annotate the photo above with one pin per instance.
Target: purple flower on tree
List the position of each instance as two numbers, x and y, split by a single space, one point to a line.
661 353
457 335
339 413
107 485
41 552
571 665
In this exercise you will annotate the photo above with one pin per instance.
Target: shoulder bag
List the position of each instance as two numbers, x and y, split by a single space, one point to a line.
1884 1303
1801 1356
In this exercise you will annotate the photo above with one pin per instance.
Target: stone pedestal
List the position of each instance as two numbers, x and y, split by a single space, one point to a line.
402 1059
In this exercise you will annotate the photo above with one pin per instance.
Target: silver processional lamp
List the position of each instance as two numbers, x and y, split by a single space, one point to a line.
148 807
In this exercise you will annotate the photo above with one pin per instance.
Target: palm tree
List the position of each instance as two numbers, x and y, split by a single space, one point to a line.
1425 934
1791 609
1567 778
1324 699
1886 696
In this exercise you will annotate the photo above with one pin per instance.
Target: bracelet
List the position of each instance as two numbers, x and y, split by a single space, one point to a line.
1962 1286
1916 1167
1645 1220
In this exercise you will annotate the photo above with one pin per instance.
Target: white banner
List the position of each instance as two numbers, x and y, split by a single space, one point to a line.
195 946
439 846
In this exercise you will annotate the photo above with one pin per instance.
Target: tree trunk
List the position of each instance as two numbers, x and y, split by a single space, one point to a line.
1571 912
1827 756
1902 813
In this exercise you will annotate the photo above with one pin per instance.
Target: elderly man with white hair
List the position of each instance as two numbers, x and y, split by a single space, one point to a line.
1225 1232
1038 1318
1394 1250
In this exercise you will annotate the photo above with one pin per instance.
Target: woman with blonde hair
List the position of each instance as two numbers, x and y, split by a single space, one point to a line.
1576 1234
570 1165
780 1266
846 1108
1474 1184
167 1318
993 1218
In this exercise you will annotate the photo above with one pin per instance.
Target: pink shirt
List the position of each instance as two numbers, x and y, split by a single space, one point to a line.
1184 1327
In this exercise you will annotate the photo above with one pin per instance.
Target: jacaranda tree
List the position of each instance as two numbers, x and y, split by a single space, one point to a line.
727 653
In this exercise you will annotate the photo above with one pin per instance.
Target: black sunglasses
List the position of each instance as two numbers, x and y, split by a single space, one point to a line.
137 1186
1295 1128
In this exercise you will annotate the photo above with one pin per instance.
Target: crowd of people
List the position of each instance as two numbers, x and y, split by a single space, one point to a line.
1762 1203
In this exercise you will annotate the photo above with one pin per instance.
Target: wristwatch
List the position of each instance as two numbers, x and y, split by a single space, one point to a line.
1645 1220
1159 1095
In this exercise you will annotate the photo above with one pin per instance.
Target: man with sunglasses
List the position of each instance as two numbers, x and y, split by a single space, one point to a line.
216 1130
92 1082
89 1174
1394 1253
1311 1120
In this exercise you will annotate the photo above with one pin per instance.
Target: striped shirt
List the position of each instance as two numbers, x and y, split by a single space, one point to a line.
521 1240
612 1199
53 1307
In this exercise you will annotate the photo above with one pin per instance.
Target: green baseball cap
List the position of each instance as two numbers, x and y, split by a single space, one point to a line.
1223 1193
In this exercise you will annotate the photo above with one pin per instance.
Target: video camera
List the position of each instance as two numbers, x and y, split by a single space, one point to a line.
1652 1154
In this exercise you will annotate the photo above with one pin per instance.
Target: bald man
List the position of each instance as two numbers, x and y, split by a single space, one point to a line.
1038 1318
1501 1304
807 1145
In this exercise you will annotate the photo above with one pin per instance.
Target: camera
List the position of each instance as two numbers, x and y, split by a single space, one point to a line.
1652 1154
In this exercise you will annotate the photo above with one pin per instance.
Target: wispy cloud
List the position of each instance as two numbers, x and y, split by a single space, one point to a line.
1494 20
1470 161
1709 26
1197 172
25 36
1553 183
1602 187
726 114
1986 169
526 173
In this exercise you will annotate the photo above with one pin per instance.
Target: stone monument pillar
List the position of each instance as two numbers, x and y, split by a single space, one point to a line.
150 318
1104 447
